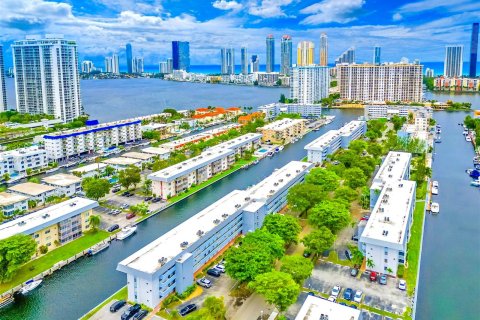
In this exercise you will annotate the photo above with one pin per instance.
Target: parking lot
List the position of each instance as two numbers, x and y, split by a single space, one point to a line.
105 314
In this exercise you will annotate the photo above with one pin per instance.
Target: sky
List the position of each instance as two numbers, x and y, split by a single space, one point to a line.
412 29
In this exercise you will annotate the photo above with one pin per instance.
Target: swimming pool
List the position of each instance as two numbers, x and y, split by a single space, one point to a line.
262 150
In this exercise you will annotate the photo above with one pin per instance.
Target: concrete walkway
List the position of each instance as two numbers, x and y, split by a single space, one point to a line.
252 308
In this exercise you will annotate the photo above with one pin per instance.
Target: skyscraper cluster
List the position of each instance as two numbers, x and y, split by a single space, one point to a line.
346 57
112 64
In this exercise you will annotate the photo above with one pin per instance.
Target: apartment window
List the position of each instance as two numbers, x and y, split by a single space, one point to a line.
36 235
386 260
47 232
386 251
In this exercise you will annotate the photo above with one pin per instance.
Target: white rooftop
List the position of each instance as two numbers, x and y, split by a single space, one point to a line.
33 150
30 188
389 218
89 168
7 198
138 155
323 141
393 168
207 134
281 125
187 166
122 161
62 179
41 219
314 307
168 245
350 127
156 150
238 141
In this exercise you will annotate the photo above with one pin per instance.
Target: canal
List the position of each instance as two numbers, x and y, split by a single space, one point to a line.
78 287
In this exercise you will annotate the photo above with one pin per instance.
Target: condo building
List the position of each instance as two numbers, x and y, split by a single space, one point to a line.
228 60
328 143
457 84
378 111
305 53
323 50
122 163
3 88
20 160
270 62
318 308
453 66
272 110
286 54
47 77
59 223
90 170
11 203
282 131
169 263
386 82
112 65
244 60
65 184
181 55
241 144
347 56
34 191
309 84
61 145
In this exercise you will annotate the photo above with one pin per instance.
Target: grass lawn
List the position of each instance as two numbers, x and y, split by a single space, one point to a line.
413 247
333 257
119 295
34 267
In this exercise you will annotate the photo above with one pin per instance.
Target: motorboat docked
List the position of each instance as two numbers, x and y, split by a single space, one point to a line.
437 139
30 286
99 247
435 184
435 208
468 139
473 173
6 300
270 154
126 232
435 190
256 162
475 183
465 132
278 149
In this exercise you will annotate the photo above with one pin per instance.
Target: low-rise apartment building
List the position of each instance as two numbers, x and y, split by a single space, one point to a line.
90 170
161 153
328 143
121 163
377 111
273 110
144 157
317 308
170 262
54 225
457 84
10 203
65 184
35 191
246 142
96 137
283 131
19 160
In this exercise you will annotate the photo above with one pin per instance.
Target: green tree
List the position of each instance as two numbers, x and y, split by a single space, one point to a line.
94 221
43 249
370 263
355 177
285 226
303 196
298 267
140 208
282 98
34 180
327 180
398 122
319 240
346 193
215 307
6 176
244 263
375 150
358 146
129 176
278 288
147 186
14 252
330 213
109 170
95 188
261 238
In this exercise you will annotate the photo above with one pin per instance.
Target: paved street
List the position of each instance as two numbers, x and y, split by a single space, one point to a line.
105 314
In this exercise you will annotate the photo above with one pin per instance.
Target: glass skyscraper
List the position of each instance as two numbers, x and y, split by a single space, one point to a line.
228 60
270 63
346 57
473 51
244 58
453 66
376 55
181 55
323 49
254 64
129 56
3 92
286 55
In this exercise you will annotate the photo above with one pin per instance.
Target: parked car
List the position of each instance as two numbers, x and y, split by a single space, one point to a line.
353 306
115 190
336 291
148 198
358 296
402 284
113 228
155 200
214 272
332 299
348 294
311 293
383 279
129 195
124 206
116 212
117 305
126 194
131 215
130 312
204 282
187 309
307 254
373 276
354 272
220 267
348 254
140 315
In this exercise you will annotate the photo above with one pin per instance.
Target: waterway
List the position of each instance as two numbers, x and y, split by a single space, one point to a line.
78 287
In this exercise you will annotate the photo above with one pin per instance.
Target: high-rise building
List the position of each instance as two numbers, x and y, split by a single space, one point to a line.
323 49
163 67
87 66
111 64
181 55
453 66
270 63
387 82
228 60
170 65
137 65
244 58
129 56
286 54
309 83
47 77
305 53
429 73
473 51
376 55
3 89
346 57
254 63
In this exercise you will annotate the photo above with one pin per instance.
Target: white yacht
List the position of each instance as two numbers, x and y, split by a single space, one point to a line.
435 190
126 232
435 208
30 286
468 139
99 247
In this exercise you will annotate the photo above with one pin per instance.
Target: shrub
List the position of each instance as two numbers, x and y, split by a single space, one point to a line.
400 271
187 292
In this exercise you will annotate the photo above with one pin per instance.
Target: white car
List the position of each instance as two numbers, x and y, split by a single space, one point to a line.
204 282
336 291
332 299
220 267
402 285
358 296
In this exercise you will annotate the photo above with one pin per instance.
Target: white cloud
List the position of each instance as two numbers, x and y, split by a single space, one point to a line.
397 17
268 8
326 11
146 6
227 5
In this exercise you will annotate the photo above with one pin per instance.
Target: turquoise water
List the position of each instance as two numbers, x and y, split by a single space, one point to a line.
262 150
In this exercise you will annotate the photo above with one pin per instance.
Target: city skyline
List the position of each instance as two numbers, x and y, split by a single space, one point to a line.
150 26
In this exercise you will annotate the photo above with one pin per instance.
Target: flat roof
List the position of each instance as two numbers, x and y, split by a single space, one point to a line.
314 307
41 219
62 179
32 189
89 168
207 134
389 218
281 125
393 168
238 141
7 198
182 168
121 161
350 127
168 245
323 141
156 150
138 155
22 152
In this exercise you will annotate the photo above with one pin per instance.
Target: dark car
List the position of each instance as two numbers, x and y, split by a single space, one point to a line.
187 309
348 254
113 228
130 312
155 200
214 272
353 306
140 315
354 272
117 305
148 198
126 194
115 190
348 294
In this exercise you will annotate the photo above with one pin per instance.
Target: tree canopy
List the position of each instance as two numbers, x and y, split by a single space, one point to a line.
346 193
358 146
303 196
298 267
95 188
129 176
213 308
330 213
285 226
355 177
14 252
94 221
244 263
326 179
319 240
262 239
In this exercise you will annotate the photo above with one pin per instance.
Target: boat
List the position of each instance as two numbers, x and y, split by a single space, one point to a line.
6 300
475 183
439 131
435 190
437 139
99 247
52 170
468 139
280 148
30 286
126 232
465 133
256 162
277 150
270 154
435 184
435 208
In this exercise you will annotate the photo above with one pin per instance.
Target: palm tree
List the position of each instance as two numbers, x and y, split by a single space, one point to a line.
370 263
389 270
94 221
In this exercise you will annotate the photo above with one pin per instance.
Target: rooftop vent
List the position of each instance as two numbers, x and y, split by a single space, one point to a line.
247 199
45 216
297 171
272 191
288 174
184 244
225 215
216 221
386 219
281 180
238 205
200 233
162 260
275 184
73 204
400 185
22 223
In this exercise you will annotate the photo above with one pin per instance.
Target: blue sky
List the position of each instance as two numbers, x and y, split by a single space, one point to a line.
412 29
